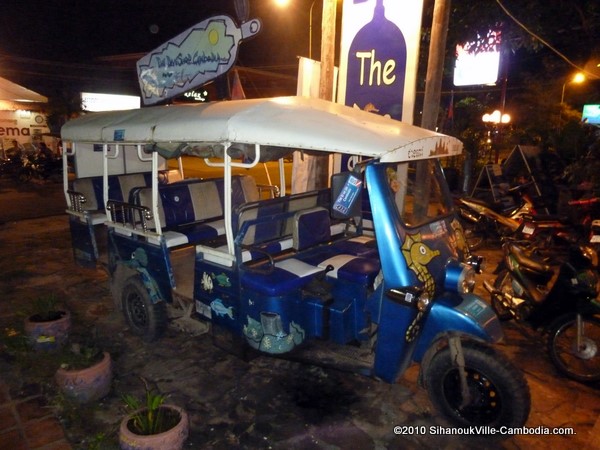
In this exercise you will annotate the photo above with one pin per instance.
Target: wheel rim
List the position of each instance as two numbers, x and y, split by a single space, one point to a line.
587 350
583 361
136 310
485 404
474 240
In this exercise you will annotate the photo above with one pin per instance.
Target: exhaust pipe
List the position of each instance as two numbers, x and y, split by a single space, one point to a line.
491 289
514 302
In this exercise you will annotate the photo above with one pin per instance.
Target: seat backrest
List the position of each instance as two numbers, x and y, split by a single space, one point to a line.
195 200
311 227
119 188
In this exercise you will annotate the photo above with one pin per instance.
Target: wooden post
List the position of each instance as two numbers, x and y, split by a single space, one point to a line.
327 50
326 79
435 64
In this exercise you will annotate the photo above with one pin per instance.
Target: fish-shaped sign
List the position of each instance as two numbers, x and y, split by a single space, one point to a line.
192 58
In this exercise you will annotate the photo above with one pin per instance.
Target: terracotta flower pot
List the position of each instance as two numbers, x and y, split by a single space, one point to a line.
86 385
172 439
48 334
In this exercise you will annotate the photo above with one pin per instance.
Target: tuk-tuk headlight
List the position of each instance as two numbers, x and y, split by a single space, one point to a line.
460 277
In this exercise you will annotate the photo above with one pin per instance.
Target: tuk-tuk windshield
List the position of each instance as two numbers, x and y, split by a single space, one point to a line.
417 187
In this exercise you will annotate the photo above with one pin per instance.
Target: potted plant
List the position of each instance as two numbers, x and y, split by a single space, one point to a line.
48 324
85 373
153 424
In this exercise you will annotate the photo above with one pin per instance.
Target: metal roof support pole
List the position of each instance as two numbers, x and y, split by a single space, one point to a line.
227 198
105 180
157 224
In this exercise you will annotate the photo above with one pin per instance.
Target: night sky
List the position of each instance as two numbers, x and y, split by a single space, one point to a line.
43 42
79 30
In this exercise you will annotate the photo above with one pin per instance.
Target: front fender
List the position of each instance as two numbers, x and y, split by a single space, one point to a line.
122 272
465 314
439 342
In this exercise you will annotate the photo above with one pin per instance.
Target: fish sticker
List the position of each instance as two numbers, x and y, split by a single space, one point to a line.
220 309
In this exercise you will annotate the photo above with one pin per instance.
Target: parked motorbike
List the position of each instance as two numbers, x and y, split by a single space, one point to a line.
483 222
23 168
587 220
581 227
556 295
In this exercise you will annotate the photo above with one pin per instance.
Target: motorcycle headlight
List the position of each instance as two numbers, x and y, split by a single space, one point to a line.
478 263
588 280
590 254
460 277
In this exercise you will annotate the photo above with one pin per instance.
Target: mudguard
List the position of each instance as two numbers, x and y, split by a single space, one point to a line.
463 314
150 261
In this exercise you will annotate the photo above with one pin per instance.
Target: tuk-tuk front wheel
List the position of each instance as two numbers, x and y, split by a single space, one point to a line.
146 319
498 393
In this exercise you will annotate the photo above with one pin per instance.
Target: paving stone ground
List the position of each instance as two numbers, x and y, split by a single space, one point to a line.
264 403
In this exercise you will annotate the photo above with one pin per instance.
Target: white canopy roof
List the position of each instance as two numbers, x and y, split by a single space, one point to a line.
290 122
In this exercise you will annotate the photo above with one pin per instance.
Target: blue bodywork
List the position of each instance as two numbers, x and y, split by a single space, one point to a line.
84 243
277 305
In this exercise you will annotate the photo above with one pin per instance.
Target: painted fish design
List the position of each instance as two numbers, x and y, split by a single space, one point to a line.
220 309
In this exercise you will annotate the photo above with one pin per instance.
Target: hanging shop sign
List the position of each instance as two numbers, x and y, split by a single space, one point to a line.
192 58
379 56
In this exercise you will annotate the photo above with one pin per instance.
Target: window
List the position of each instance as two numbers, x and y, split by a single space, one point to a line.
419 191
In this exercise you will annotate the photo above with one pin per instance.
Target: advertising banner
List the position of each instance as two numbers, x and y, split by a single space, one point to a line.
192 58
379 56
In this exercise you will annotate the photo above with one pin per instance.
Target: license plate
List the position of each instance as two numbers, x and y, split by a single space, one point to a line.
528 229
595 238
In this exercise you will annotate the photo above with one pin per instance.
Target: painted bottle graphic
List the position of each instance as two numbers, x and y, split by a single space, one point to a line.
377 67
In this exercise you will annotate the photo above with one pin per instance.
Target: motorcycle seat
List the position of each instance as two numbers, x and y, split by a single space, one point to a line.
551 218
477 204
531 262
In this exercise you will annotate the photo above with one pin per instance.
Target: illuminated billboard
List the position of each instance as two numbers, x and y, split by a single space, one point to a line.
94 102
591 114
478 61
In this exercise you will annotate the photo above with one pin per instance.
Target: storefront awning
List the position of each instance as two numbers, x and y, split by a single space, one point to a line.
13 92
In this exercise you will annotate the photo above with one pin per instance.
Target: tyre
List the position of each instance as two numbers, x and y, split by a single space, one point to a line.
474 237
146 319
503 283
498 390
579 362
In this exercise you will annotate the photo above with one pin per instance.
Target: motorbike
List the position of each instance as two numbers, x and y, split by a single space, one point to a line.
586 220
483 222
556 295
23 168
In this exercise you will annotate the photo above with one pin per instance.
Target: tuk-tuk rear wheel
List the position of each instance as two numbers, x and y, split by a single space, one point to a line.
146 319
499 395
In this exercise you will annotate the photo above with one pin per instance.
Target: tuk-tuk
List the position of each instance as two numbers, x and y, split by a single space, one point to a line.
373 270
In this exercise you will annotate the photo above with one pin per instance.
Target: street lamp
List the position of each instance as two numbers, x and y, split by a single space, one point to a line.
578 78
284 3
496 120
310 21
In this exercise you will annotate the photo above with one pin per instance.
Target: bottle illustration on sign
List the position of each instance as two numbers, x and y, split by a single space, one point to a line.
377 67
